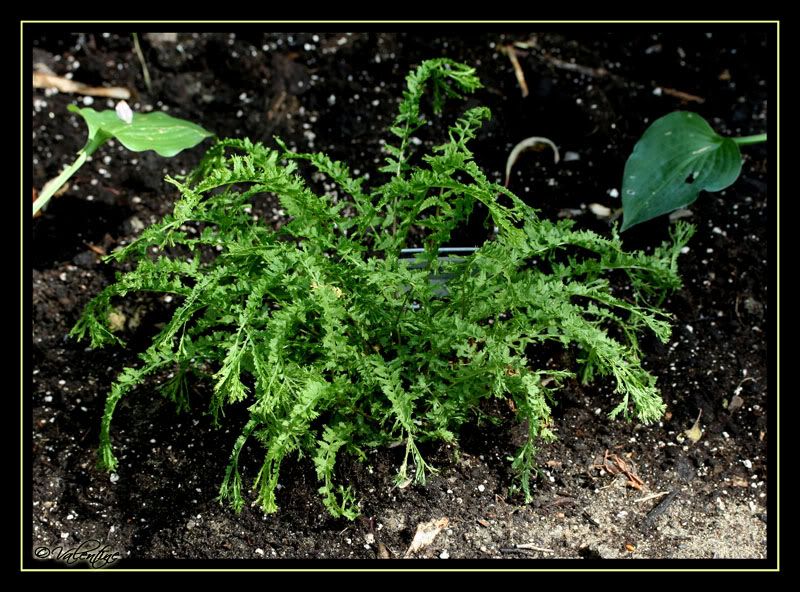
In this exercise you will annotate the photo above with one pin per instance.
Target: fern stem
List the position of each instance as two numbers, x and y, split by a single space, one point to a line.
399 172
53 186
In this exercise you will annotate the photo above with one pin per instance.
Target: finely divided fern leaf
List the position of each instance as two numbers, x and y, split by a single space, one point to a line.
335 344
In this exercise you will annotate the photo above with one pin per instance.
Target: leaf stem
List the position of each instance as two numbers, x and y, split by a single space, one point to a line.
757 139
53 186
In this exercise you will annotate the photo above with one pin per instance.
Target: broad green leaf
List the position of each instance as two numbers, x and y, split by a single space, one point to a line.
157 131
677 157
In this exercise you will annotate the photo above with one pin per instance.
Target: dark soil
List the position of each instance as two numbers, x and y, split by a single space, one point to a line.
337 93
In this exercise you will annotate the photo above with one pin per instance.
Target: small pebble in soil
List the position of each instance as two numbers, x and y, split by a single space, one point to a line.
600 210
613 193
113 478
481 488
444 555
753 306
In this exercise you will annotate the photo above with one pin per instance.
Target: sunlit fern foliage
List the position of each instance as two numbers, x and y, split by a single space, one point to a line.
337 345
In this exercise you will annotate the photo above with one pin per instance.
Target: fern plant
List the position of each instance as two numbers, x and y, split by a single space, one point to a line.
337 345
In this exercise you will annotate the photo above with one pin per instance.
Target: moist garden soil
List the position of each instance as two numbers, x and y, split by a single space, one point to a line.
593 92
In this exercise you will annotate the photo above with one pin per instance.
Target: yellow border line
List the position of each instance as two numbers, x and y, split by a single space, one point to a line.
347 569
21 298
416 569
777 488
408 22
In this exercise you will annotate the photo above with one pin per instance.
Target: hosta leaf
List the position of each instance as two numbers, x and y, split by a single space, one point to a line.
677 157
157 131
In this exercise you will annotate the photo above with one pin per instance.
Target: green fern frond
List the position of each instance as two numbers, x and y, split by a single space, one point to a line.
335 344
